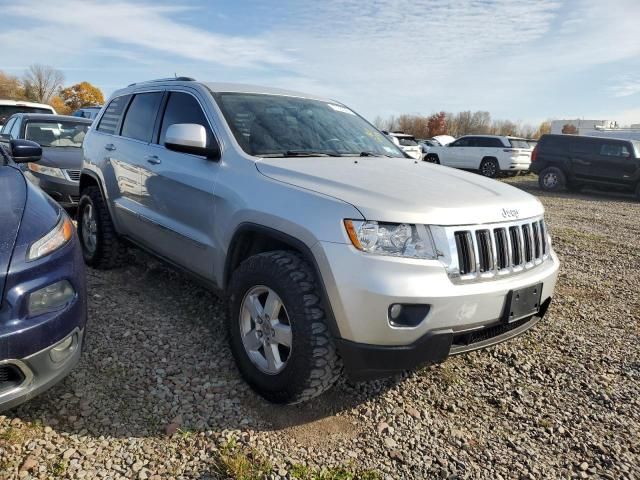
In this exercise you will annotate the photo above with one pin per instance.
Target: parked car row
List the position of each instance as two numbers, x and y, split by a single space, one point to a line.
336 253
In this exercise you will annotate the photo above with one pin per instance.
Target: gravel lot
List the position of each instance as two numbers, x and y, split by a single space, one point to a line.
157 394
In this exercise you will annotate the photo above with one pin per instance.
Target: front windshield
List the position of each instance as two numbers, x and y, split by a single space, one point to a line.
282 126
56 134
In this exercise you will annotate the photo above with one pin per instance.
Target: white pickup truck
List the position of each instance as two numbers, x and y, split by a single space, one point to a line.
489 154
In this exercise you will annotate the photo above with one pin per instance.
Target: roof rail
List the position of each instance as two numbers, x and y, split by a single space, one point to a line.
168 79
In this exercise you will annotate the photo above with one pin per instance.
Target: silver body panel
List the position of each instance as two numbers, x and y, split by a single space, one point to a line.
187 209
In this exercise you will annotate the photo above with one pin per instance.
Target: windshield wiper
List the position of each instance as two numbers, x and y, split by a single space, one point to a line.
300 153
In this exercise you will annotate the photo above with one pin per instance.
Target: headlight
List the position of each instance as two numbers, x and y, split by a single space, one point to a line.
50 297
53 240
394 239
43 170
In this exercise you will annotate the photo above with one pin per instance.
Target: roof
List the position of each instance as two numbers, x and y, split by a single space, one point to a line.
23 103
51 117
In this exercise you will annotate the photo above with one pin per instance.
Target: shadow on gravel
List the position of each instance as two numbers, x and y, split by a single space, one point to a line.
530 184
157 362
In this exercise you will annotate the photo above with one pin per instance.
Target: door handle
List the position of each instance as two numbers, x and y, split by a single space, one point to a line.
110 146
153 159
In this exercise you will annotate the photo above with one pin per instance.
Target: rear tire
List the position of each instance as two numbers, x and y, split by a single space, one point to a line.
310 364
552 179
432 158
101 247
489 168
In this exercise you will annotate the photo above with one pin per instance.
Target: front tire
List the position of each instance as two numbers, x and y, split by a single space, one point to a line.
432 158
552 179
101 247
489 168
277 328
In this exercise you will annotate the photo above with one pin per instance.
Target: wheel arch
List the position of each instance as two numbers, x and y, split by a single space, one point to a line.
250 239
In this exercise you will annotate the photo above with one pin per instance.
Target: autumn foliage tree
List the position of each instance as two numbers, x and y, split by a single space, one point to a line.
11 87
80 95
569 129
437 124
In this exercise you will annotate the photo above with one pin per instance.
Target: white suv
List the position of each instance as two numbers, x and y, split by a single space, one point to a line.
490 154
407 143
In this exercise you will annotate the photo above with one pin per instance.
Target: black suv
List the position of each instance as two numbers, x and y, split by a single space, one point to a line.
569 161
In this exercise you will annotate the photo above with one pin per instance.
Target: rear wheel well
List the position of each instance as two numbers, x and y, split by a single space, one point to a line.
488 158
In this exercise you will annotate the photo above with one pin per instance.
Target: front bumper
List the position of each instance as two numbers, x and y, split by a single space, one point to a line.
65 192
38 372
361 287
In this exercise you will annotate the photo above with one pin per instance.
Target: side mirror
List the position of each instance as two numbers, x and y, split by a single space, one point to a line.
625 154
190 138
25 151
5 137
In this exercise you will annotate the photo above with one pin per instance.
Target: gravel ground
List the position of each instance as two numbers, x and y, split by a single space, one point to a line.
157 394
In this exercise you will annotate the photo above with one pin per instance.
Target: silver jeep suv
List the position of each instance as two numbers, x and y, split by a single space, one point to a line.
333 249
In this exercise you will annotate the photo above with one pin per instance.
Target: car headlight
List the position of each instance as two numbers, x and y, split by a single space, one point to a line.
50 297
394 239
52 241
44 170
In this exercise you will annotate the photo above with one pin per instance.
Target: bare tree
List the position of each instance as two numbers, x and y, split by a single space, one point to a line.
41 82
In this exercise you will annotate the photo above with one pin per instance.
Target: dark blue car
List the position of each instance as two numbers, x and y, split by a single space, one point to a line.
43 307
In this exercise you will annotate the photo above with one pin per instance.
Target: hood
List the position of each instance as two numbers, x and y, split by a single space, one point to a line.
403 190
62 157
13 194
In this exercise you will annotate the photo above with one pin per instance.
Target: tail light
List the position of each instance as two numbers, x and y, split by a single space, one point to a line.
534 154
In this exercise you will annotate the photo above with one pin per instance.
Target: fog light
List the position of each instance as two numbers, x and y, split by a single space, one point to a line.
395 310
64 348
407 315
50 297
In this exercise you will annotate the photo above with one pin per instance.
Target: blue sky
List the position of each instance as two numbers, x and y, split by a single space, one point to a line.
525 60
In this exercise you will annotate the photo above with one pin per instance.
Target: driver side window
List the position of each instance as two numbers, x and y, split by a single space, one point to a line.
184 108
462 142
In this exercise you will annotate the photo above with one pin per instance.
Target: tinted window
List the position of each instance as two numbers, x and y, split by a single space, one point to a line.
614 150
141 116
552 142
56 134
15 129
407 141
584 146
488 142
462 142
7 110
7 126
277 125
519 143
183 108
111 117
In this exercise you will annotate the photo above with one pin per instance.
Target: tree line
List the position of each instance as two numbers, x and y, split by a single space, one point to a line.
45 84
458 124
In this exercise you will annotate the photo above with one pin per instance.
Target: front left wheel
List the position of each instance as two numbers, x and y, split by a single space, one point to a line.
101 246
278 330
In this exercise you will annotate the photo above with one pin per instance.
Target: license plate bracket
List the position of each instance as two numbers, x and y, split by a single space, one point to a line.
522 302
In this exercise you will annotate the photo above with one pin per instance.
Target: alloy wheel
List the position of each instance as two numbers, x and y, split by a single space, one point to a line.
89 229
265 329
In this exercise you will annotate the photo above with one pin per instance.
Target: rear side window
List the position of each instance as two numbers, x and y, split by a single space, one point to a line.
183 108
614 150
517 143
586 145
554 143
488 142
141 116
111 118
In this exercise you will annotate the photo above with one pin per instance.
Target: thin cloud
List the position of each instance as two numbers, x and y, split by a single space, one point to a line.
626 86
142 25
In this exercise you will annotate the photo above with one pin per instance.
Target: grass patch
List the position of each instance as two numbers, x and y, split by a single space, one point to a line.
59 468
243 463
302 472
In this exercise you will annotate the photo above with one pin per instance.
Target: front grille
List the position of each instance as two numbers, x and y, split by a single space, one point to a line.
10 377
73 175
500 249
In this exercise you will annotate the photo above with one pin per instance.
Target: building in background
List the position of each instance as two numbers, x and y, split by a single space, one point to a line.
595 128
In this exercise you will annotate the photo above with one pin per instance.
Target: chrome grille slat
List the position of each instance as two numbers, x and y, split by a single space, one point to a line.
483 252
73 175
